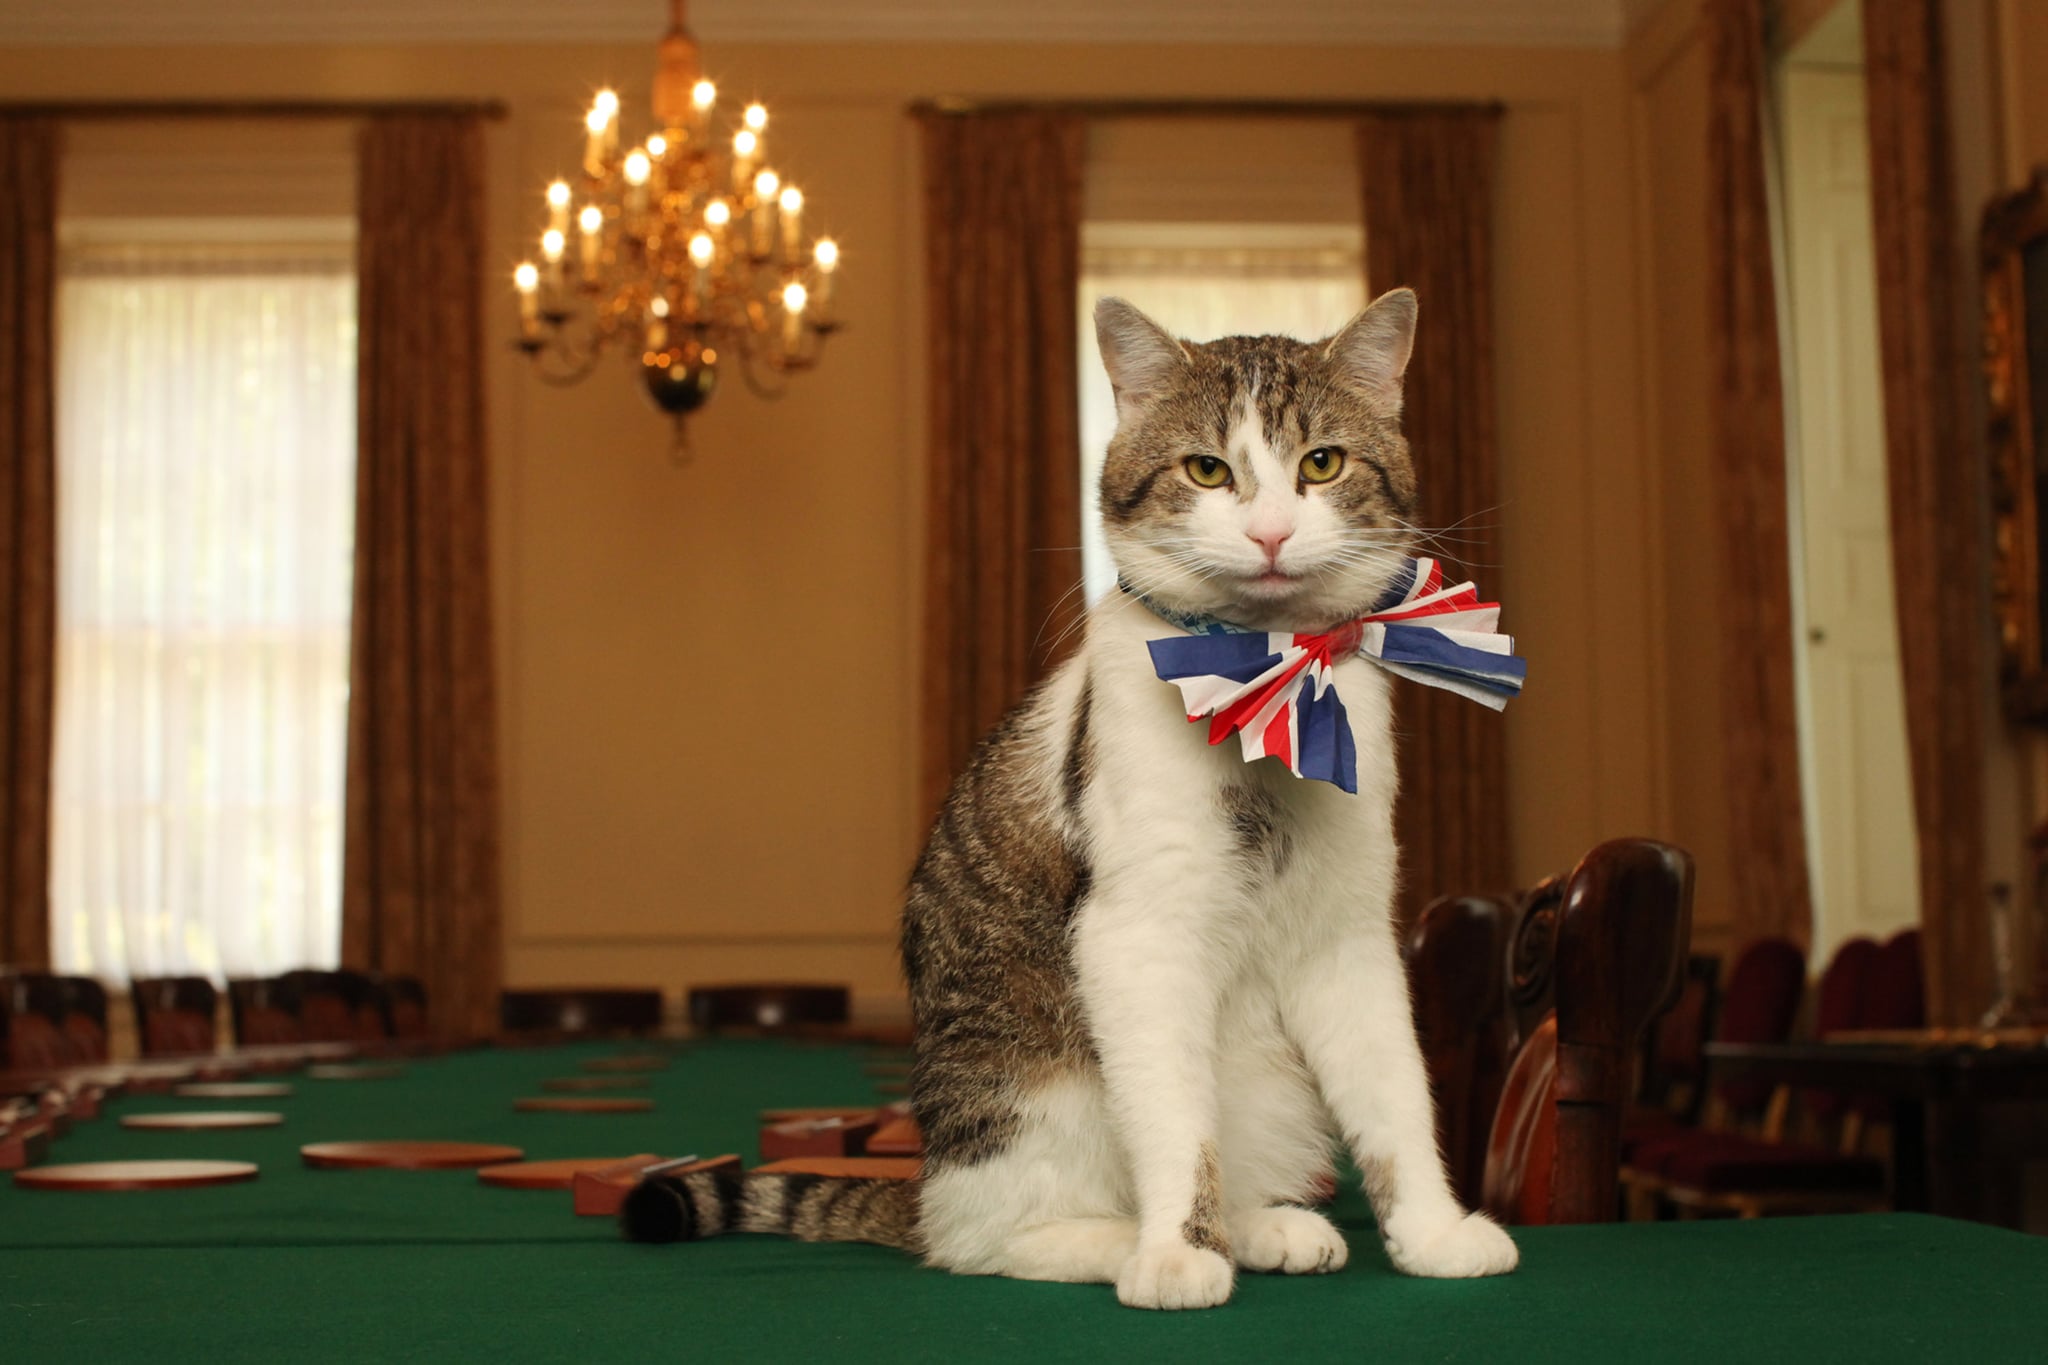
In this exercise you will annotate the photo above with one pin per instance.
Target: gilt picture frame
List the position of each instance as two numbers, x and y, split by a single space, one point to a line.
2014 259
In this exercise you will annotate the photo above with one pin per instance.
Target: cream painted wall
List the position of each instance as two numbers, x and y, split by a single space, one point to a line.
1668 115
708 674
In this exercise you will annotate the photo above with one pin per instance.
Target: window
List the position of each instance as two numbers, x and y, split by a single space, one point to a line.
206 468
1202 281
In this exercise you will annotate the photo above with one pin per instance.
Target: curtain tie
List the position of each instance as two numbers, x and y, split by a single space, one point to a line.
1275 692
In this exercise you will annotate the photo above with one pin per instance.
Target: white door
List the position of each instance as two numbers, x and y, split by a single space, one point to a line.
1853 719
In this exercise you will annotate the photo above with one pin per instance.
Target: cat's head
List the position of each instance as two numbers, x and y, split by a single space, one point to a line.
1259 479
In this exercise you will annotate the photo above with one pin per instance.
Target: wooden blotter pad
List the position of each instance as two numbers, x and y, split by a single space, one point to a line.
600 1193
556 1175
583 1084
354 1072
232 1090
135 1175
407 1156
585 1104
838 1136
203 1118
900 1136
643 1061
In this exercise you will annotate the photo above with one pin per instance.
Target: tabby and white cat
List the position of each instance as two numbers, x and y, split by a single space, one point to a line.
1146 974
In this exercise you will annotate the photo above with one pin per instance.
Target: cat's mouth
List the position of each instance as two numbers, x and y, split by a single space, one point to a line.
1274 582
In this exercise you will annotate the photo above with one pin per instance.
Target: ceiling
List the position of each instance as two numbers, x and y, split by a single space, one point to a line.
1551 23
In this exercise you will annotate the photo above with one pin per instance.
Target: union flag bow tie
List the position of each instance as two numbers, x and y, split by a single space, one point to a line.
1275 690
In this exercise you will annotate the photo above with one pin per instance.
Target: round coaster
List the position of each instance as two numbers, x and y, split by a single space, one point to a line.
553 1175
635 1061
407 1156
581 1104
354 1073
583 1083
204 1118
233 1090
135 1175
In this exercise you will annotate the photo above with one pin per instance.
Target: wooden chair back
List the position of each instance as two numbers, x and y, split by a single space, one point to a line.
263 1013
1587 962
1456 953
1759 1004
174 1014
1675 1060
769 1008
405 1007
585 1010
84 1004
34 1010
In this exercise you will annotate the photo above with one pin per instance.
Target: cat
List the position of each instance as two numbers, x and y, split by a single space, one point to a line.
1147 975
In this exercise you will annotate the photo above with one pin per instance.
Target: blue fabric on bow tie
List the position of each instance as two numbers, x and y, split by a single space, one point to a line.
1274 690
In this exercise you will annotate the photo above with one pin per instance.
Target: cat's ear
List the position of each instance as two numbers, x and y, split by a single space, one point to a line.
1372 351
1141 356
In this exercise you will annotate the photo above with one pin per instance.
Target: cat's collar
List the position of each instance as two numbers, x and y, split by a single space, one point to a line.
1411 572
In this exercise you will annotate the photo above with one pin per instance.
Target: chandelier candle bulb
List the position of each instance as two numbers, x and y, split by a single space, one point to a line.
596 124
746 146
702 251
717 214
638 168
558 206
591 223
766 185
825 255
526 280
551 243
794 296
703 95
792 204
756 118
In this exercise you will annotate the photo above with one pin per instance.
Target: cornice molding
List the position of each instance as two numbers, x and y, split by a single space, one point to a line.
1478 23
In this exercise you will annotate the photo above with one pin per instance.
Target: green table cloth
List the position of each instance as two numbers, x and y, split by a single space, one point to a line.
307 1264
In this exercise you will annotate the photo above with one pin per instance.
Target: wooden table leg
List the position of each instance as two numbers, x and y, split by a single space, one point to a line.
1910 1179
1955 1159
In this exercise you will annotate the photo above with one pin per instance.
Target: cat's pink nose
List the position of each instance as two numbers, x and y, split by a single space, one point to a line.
1270 542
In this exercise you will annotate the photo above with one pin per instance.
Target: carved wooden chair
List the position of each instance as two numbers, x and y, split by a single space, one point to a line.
174 1015
1554 990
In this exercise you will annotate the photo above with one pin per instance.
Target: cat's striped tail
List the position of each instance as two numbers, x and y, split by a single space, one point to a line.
810 1208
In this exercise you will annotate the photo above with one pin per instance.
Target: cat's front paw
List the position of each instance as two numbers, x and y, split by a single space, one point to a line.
1453 1248
1174 1275
1290 1240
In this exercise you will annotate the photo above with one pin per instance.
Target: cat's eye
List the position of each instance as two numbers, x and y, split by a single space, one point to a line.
1207 471
1322 464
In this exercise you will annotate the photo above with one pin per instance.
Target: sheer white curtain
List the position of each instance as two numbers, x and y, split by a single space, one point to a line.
206 469
1203 281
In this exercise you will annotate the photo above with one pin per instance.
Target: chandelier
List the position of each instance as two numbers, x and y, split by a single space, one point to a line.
685 252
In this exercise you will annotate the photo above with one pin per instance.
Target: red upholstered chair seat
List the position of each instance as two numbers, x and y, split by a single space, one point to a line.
1719 1163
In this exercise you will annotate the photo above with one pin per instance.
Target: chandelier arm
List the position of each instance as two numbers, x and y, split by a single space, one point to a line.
750 375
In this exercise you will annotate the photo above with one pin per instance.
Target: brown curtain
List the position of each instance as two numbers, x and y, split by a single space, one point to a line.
1428 178
420 867
1003 564
1759 721
28 545
1938 505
